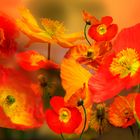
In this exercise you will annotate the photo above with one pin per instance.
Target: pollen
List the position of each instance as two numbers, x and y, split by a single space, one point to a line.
64 115
102 29
125 63
36 58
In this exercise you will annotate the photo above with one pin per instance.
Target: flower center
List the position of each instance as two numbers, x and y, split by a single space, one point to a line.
64 115
102 29
1 36
126 62
90 53
10 99
36 58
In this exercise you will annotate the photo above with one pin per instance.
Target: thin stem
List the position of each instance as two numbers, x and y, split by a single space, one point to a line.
62 137
85 34
49 51
85 115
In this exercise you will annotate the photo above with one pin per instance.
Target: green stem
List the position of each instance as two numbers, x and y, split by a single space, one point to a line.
85 34
85 115
49 51
62 137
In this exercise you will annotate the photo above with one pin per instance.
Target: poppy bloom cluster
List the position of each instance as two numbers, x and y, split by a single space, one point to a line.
88 74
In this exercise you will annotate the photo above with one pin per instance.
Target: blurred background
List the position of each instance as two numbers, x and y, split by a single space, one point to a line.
124 12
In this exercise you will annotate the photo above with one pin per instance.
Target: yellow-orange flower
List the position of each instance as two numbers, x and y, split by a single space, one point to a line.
52 31
121 111
74 77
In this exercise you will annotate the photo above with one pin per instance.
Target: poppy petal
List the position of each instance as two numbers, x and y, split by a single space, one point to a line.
53 121
57 102
74 122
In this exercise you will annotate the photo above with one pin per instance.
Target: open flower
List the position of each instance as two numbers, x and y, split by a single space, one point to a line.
103 30
8 34
121 67
32 60
90 56
121 111
62 118
20 106
52 32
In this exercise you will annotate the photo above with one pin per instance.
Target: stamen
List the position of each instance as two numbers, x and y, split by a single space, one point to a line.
126 62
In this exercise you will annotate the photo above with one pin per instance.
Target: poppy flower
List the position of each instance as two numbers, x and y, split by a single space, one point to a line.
74 79
104 30
8 34
20 107
32 60
62 118
52 32
99 118
137 108
121 111
90 56
121 67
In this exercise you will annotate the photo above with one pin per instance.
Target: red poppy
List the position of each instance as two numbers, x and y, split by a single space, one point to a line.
120 69
104 30
121 111
20 106
62 118
8 34
137 108
32 60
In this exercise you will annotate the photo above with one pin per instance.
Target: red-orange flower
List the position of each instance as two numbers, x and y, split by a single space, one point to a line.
120 69
62 118
121 111
104 30
20 106
90 56
8 33
32 60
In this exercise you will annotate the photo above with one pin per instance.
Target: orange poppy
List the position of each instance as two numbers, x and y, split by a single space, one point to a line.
52 31
32 60
20 107
74 79
121 111
8 34
90 56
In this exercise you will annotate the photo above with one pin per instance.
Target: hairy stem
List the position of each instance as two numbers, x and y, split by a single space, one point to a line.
85 34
